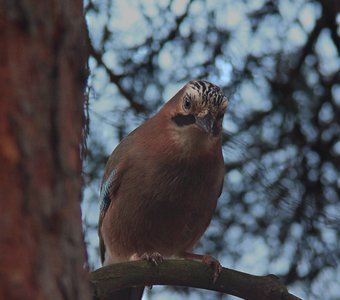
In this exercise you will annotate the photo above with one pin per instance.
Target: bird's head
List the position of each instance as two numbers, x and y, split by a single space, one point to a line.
198 108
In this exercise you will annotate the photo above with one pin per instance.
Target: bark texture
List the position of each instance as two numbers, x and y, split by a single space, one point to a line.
42 80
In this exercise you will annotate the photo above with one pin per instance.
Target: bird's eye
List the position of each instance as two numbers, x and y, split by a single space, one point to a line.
187 103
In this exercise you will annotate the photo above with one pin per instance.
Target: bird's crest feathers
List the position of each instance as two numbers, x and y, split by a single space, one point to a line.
208 92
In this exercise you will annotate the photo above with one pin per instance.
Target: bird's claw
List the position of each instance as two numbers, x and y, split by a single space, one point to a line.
154 258
214 264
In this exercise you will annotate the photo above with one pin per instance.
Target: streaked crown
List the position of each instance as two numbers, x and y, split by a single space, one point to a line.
209 94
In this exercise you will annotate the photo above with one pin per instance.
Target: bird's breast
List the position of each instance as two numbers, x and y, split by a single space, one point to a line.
168 208
165 200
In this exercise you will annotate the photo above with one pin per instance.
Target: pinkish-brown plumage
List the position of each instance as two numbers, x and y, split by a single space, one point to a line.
162 182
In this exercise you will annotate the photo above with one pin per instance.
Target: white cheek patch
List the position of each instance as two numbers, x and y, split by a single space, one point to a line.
203 112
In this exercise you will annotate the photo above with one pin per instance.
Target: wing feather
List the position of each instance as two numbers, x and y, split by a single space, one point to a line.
111 182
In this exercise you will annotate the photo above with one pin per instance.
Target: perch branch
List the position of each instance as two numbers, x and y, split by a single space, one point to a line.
109 279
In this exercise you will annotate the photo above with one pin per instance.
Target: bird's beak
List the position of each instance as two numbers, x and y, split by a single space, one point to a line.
206 122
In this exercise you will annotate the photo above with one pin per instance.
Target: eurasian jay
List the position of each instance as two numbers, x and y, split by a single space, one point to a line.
161 183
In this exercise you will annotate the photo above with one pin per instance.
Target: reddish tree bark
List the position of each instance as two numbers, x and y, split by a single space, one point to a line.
42 81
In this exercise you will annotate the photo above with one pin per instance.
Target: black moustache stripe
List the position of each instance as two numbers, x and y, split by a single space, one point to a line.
184 120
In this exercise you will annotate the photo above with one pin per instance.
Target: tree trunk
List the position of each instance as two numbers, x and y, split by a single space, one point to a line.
42 80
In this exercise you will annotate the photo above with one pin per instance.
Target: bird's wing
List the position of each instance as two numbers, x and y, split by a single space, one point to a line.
111 182
108 189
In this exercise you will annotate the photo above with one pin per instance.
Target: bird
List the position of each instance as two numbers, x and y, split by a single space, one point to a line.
161 183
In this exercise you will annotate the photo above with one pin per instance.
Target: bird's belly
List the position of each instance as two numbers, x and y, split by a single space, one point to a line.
168 227
168 216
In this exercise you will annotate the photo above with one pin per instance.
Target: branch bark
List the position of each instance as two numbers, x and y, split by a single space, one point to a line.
109 279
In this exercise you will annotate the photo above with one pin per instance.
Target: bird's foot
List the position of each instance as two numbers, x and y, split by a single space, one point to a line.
206 259
153 258
214 264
